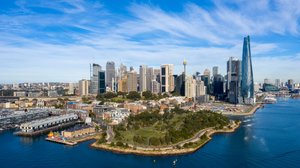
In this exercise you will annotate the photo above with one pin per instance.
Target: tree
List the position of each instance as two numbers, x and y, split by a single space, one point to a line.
133 95
109 95
165 95
97 128
123 94
147 95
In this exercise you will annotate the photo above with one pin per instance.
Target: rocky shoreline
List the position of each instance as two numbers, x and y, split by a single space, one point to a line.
210 132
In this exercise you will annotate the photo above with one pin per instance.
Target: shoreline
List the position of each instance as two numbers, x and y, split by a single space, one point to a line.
251 112
120 150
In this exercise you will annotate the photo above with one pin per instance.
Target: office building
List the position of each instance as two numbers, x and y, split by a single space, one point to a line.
233 80
166 78
71 89
101 82
84 87
290 84
190 87
215 70
278 83
155 87
110 75
149 78
95 68
143 78
247 86
131 81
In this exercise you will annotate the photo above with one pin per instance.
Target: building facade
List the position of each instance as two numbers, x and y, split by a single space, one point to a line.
110 75
131 81
247 86
95 68
143 78
166 78
102 87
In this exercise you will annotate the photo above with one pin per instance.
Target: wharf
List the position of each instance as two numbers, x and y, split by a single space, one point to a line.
46 130
56 140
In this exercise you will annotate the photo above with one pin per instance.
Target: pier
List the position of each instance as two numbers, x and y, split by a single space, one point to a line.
48 124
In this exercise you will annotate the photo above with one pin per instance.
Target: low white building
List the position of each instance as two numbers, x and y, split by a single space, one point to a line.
47 122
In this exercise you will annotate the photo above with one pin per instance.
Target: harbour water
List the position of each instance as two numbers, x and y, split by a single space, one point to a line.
268 139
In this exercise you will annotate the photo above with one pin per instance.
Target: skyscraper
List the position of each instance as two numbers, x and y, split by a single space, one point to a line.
122 72
181 80
190 87
131 81
290 84
166 78
247 86
215 70
84 87
267 81
233 80
101 82
143 78
94 88
278 83
110 75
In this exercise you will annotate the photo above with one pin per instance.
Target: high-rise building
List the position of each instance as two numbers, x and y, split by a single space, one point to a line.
71 89
94 89
190 87
122 85
233 80
149 78
110 75
206 72
278 83
247 86
290 84
131 81
122 72
166 78
267 81
200 88
215 70
218 87
155 87
84 87
143 78
156 73
207 80
179 84
101 82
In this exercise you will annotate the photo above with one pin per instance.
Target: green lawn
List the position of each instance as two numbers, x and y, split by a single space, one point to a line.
153 129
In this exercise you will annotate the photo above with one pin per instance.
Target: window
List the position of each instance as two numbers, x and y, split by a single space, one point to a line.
163 71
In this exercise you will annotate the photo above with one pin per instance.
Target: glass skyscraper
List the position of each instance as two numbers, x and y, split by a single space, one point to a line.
95 68
247 86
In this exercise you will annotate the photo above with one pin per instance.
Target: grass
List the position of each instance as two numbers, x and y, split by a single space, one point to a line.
159 129
127 136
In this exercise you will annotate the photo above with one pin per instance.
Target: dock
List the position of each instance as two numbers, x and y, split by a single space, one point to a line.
60 141
46 130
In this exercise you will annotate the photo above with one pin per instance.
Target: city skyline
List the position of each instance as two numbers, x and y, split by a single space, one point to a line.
70 35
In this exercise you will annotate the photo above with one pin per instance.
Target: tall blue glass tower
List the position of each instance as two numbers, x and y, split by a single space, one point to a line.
247 85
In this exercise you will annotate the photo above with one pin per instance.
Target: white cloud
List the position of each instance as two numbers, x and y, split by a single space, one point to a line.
149 35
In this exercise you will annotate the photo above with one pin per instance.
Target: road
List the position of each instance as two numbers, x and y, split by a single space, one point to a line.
110 134
195 138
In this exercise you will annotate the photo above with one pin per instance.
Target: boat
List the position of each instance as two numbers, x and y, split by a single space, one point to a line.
270 100
174 162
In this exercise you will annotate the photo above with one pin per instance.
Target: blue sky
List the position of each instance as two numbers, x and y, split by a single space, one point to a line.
56 40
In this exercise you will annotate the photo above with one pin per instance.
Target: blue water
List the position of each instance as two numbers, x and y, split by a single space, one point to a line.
270 138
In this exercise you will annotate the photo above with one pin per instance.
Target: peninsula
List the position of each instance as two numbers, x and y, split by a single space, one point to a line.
170 133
